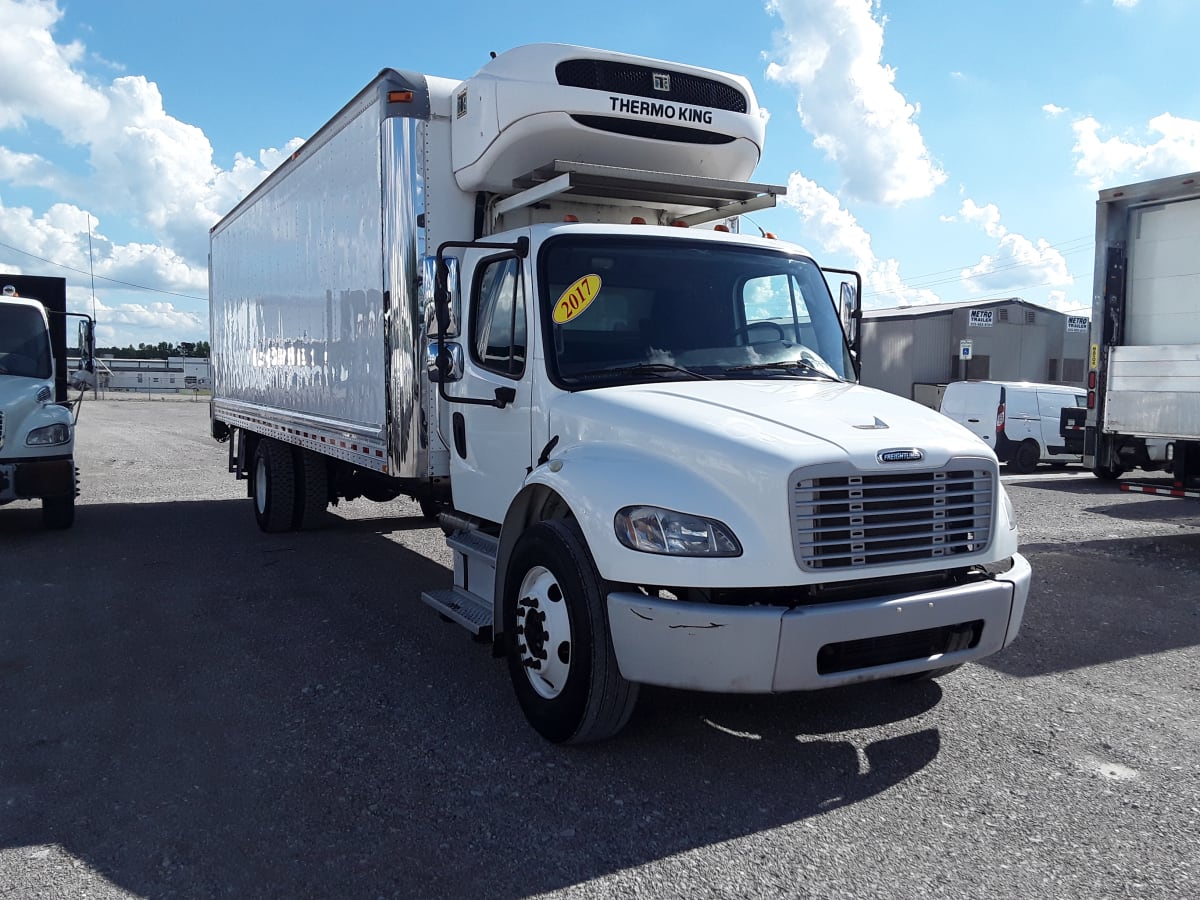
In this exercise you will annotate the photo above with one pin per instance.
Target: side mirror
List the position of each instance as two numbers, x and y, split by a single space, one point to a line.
444 367
850 312
445 299
84 378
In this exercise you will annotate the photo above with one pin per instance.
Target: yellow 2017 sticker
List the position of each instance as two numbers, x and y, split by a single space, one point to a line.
575 299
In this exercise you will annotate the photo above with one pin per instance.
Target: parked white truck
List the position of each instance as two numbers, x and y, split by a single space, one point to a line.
1144 371
645 442
37 421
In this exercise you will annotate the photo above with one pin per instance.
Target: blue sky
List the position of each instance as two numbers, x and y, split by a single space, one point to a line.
949 150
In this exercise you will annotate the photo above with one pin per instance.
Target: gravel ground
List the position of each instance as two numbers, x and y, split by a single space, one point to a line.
191 708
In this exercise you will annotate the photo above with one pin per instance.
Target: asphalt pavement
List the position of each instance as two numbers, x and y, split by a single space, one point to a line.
192 708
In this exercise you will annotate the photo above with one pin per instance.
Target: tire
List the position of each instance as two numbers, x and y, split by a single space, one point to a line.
1025 459
1104 473
274 486
58 512
312 489
559 649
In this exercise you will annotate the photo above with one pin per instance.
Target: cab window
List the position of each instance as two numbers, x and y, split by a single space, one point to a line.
498 318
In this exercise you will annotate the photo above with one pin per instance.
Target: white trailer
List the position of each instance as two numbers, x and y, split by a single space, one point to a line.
1144 376
645 441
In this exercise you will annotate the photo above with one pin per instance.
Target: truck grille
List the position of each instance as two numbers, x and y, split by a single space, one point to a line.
638 81
854 521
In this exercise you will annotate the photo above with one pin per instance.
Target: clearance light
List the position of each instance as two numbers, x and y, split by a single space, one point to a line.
679 223
1092 380
400 96
769 235
1091 399
570 217
637 220
724 228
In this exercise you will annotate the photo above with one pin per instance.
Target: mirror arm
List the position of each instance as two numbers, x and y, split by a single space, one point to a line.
441 302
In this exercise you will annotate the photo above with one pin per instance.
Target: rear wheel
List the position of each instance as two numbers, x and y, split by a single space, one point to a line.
274 486
312 489
1108 473
58 512
560 654
1025 459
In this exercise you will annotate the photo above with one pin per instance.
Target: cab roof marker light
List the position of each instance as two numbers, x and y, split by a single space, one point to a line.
637 220
400 96
679 223
570 217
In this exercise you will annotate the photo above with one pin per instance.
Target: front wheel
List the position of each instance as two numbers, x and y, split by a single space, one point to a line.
559 649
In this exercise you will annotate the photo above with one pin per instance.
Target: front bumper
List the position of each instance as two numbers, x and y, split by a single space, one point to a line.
30 479
763 649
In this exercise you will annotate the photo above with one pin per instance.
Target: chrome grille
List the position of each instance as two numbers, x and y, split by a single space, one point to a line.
845 521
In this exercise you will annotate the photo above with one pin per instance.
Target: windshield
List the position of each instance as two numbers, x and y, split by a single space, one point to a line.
24 343
624 309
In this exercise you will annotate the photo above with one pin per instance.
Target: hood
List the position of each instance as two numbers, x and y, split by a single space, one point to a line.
798 422
19 401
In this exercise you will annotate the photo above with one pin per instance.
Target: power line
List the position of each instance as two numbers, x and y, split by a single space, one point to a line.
956 269
139 287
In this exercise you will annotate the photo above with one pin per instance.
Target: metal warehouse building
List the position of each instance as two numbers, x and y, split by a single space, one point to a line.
913 351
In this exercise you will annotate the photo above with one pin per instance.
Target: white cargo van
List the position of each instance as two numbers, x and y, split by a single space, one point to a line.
1017 419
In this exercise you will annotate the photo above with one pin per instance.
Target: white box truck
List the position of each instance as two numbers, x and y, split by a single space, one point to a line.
1144 371
521 300
37 419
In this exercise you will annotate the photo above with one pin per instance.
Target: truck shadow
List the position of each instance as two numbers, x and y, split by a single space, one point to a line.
191 707
1132 597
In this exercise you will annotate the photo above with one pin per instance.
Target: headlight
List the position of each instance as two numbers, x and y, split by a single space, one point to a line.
653 530
1009 510
49 436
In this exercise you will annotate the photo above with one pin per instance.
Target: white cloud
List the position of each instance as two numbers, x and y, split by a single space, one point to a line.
1125 4
839 234
832 53
1116 160
61 234
138 162
1018 261
1053 110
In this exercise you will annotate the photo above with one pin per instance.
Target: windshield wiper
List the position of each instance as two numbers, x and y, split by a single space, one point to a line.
660 369
790 367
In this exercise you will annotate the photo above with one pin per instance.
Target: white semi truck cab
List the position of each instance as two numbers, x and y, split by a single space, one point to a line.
37 422
640 430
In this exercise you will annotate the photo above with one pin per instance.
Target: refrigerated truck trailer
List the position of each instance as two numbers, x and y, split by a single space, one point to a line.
1144 367
37 418
520 298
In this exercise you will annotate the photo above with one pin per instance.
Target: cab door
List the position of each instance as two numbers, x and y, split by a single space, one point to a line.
490 443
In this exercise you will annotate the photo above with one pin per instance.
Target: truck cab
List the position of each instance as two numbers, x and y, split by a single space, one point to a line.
37 424
659 429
